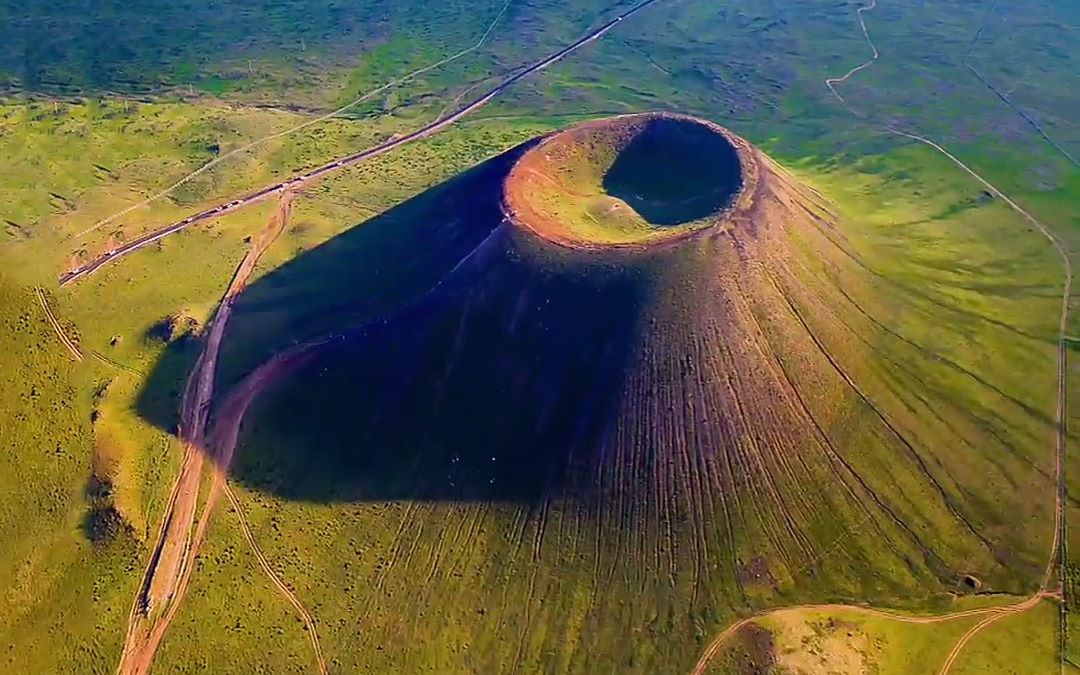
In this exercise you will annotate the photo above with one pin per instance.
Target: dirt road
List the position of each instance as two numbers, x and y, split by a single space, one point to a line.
830 82
168 573
430 129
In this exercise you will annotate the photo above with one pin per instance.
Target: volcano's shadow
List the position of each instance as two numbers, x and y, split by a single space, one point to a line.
367 271
501 388
675 171
480 364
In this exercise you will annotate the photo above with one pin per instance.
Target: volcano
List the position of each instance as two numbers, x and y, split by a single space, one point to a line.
639 403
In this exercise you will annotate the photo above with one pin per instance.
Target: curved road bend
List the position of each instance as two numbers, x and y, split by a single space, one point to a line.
438 125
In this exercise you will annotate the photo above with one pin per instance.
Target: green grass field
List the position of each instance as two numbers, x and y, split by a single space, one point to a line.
820 640
949 325
815 641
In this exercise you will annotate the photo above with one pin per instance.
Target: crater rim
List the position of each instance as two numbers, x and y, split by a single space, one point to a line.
523 202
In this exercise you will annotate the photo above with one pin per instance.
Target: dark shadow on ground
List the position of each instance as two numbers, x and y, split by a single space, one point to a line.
500 388
675 171
472 361
367 271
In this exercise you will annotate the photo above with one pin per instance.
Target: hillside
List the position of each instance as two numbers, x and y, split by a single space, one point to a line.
642 336
586 443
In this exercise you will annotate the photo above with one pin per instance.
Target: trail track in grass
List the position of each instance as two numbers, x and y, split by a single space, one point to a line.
280 585
71 345
68 343
992 11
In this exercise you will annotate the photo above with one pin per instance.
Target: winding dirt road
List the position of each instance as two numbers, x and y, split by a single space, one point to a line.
1057 556
168 572
830 82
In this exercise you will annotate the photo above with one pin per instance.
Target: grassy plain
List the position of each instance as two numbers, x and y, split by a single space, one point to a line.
1023 644
66 596
299 52
963 342
805 642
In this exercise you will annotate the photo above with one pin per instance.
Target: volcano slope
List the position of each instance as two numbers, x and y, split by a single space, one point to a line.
589 444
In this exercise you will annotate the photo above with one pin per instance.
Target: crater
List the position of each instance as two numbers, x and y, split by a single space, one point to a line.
629 181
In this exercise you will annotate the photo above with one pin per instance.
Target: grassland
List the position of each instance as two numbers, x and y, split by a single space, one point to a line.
298 52
63 586
959 352
807 641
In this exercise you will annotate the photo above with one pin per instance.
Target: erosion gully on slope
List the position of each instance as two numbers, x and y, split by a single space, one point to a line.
1057 548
